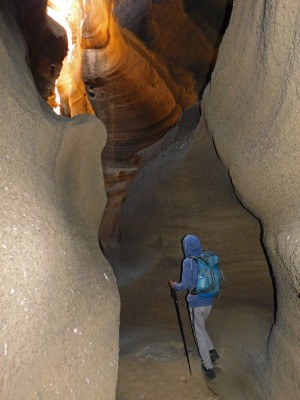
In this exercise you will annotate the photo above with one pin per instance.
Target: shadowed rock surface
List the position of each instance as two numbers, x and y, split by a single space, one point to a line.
59 301
255 125
46 42
184 35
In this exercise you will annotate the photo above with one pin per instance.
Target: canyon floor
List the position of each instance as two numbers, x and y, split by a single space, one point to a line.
152 360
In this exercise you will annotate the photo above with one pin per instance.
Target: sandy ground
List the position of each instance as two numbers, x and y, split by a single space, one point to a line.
153 365
156 368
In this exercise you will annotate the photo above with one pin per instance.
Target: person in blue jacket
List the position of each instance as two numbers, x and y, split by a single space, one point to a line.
199 307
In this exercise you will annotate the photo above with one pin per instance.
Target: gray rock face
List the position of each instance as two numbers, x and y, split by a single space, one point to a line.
59 302
252 111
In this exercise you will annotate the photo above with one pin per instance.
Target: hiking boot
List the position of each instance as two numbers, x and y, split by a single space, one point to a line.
214 356
209 373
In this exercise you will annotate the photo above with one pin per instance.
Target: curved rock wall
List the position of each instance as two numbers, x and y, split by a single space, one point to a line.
59 301
252 111
135 97
137 87
184 34
186 189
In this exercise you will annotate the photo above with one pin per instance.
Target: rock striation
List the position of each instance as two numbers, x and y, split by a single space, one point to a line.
130 66
137 86
133 94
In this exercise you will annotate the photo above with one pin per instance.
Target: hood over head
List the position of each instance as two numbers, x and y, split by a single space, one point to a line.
191 246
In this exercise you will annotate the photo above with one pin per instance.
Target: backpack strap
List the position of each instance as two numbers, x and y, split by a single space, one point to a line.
203 259
194 258
193 290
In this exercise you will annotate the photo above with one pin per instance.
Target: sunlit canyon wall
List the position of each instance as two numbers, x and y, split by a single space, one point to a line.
131 67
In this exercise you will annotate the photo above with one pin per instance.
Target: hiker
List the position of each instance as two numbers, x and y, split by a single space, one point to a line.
199 307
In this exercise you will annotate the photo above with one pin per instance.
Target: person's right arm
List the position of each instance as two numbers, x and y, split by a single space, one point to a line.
186 278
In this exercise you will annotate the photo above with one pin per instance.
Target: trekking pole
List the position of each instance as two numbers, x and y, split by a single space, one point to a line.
174 295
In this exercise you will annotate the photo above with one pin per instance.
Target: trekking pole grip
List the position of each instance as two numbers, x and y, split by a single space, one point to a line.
173 293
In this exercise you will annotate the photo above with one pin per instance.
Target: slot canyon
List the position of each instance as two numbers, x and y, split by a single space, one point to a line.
125 125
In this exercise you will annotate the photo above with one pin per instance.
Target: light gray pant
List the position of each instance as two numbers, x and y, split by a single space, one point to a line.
199 316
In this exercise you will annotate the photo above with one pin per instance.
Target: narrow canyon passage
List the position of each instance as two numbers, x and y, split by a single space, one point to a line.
160 133
212 211
186 190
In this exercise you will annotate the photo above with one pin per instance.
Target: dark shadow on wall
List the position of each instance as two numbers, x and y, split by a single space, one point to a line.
270 268
264 251
275 302
45 50
271 272
216 15
213 11
187 49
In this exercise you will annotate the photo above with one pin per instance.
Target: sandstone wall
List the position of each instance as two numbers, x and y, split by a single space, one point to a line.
252 111
186 189
59 301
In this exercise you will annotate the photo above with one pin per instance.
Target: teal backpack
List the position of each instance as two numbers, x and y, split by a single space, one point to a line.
210 276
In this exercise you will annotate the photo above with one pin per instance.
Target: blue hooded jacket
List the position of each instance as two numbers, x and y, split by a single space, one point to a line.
191 247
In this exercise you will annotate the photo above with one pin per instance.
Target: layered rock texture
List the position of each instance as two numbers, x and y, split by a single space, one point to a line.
59 302
140 81
140 63
131 67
